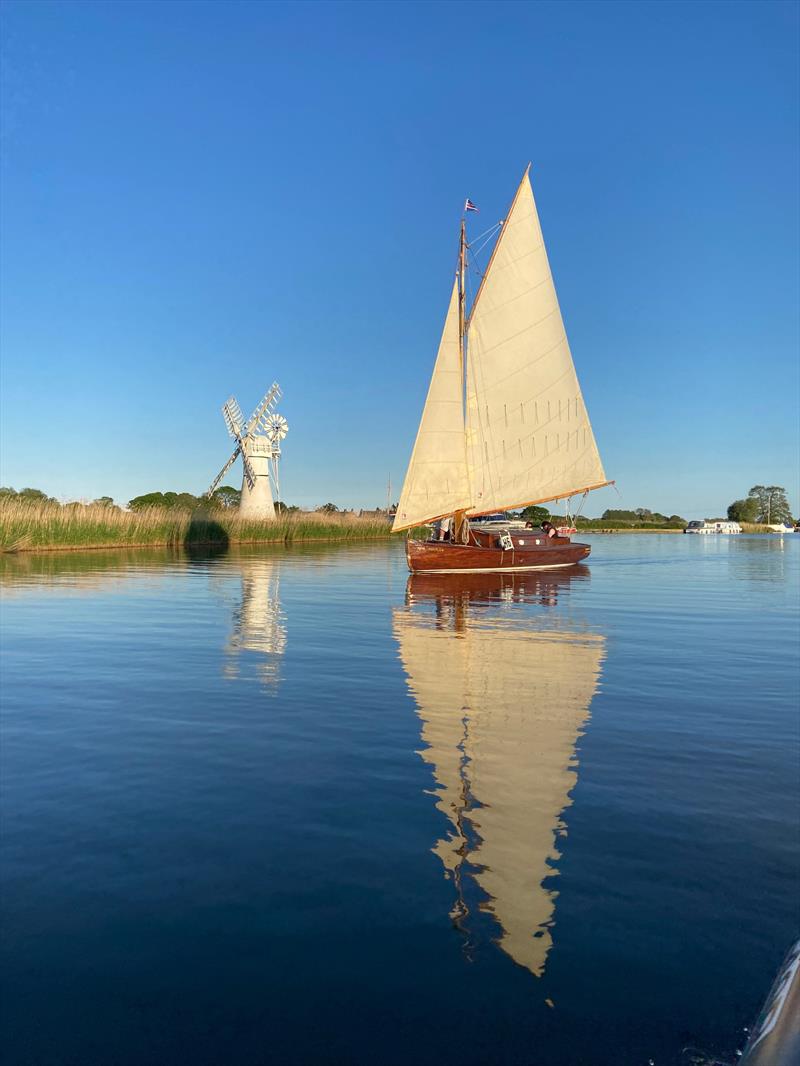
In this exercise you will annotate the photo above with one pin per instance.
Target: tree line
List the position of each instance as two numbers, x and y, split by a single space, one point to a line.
222 498
225 496
766 504
641 518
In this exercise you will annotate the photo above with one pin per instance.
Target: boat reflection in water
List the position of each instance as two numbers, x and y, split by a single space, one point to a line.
503 691
258 625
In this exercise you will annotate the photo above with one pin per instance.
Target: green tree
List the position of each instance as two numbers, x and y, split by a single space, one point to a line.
227 496
182 500
328 508
34 494
744 510
186 501
773 506
535 514
149 499
6 492
104 501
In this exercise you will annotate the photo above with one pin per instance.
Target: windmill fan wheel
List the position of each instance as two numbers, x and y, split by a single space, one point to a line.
276 427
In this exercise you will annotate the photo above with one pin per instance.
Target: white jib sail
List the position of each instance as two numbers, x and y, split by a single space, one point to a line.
437 481
528 433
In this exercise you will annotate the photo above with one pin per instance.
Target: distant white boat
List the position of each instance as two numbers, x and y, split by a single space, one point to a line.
713 527
781 527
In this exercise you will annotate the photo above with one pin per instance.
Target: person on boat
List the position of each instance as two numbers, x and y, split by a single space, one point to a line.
549 528
444 528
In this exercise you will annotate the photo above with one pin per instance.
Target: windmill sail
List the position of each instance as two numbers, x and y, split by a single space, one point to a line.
529 435
437 482
501 708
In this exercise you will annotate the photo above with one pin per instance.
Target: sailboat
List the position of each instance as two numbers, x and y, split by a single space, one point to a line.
504 423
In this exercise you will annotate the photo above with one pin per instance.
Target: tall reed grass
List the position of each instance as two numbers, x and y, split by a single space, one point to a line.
26 526
756 527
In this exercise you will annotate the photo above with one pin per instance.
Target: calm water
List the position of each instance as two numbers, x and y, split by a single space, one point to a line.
288 807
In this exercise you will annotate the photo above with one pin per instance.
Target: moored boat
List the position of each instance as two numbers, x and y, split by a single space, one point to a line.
504 423
705 527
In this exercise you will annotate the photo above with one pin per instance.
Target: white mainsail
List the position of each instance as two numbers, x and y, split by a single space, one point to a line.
502 707
437 482
529 435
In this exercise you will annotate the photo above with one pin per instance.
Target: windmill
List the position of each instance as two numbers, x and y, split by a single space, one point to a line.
258 442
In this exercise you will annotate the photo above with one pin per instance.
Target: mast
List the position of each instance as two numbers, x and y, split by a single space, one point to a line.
459 519
462 302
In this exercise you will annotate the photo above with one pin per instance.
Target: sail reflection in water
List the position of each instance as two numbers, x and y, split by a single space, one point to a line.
503 691
258 623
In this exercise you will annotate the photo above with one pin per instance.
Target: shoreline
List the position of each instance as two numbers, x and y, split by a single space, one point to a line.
47 549
48 527
284 540
592 532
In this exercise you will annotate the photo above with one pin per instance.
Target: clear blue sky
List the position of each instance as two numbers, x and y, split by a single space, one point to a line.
199 198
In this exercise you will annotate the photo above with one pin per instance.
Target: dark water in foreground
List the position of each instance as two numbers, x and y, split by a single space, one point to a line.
277 807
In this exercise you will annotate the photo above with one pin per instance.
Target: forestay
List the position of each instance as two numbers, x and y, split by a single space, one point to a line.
529 438
437 482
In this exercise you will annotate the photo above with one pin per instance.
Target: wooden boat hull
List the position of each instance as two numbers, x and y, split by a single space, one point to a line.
542 553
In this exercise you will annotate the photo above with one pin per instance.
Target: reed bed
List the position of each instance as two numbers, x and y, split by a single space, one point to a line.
26 526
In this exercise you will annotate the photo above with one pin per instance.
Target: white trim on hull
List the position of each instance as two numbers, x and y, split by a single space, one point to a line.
496 569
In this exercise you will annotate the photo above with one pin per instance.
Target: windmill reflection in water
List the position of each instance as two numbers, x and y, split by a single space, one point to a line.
503 691
258 622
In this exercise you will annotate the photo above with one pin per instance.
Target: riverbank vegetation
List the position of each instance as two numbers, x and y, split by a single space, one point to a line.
766 504
32 521
640 519
27 525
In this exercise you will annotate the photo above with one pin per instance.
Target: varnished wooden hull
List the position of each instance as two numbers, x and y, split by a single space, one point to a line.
428 556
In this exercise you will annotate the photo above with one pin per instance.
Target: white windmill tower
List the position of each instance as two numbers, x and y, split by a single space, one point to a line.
258 442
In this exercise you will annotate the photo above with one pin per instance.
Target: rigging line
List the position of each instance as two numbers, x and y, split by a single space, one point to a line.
474 252
476 263
481 236
580 505
491 234
472 264
484 244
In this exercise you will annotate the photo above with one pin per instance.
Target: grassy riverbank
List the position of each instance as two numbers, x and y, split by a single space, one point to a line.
26 526
49 527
